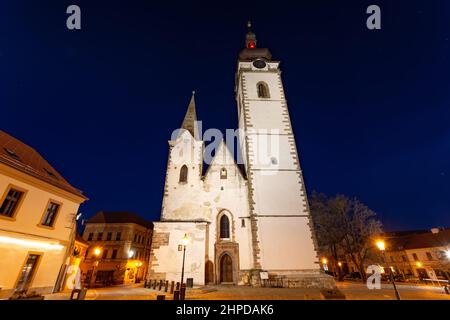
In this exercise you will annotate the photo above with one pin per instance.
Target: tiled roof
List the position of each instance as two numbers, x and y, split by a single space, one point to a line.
22 157
419 240
120 217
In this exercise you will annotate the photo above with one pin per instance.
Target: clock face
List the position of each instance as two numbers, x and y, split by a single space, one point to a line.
260 64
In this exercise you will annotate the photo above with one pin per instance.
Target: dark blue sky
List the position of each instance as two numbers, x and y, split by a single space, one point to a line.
370 109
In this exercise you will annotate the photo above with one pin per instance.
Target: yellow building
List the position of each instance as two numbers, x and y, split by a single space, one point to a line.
119 248
38 209
77 254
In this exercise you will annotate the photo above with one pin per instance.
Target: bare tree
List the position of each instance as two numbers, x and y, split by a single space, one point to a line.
345 225
328 221
360 228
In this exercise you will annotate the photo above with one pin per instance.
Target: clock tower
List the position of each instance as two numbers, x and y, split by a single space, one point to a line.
282 237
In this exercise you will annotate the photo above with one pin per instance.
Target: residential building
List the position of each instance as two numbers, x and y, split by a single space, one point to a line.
119 248
38 208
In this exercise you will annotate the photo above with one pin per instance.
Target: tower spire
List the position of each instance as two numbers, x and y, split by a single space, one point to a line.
190 119
250 38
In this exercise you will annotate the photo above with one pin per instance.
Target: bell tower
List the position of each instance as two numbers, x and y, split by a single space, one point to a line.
282 237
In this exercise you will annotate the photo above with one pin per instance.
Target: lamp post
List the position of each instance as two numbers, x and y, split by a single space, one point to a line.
185 241
97 252
382 247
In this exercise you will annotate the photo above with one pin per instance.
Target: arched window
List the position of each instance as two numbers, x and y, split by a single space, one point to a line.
224 227
223 173
263 90
183 174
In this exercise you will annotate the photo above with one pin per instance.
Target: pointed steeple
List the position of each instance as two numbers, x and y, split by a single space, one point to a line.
190 119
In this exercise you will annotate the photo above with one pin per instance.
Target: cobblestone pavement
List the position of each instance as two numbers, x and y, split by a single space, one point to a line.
352 291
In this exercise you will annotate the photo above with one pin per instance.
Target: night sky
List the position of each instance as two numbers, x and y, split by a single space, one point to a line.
370 109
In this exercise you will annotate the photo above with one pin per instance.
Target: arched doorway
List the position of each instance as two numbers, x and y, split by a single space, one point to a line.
226 269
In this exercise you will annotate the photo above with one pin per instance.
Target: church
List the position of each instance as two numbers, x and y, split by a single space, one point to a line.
241 224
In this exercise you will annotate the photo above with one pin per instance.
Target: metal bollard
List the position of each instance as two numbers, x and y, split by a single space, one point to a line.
154 285
160 285
176 295
172 285
183 292
177 287
166 286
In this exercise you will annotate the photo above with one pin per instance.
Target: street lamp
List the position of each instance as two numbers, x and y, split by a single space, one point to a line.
447 253
97 253
185 242
419 264
382 247
130 254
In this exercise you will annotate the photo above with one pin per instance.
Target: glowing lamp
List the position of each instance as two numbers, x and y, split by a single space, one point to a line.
252 45
97 251
130 254
419 264
381 245
340 264
185 240
324 260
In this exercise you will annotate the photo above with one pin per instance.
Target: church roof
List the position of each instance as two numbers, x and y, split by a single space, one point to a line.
22 157
120 217
224 157
190 119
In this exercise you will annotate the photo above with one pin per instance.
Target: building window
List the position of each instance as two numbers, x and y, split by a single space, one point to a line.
100 236
90 236
105 254
109 236
429 256
183 174
224 227
415 257
50 214
26 275
135 238
243 223
114 254
263 90
11 203
118 236
223 173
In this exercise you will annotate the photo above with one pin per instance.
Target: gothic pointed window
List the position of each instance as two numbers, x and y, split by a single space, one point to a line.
224 227
263 90
183 174
223 173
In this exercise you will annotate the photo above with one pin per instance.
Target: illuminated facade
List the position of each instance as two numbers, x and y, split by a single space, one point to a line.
119 248
247 222
38 208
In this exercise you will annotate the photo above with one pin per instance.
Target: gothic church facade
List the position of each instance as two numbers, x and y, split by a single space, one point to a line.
247 222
